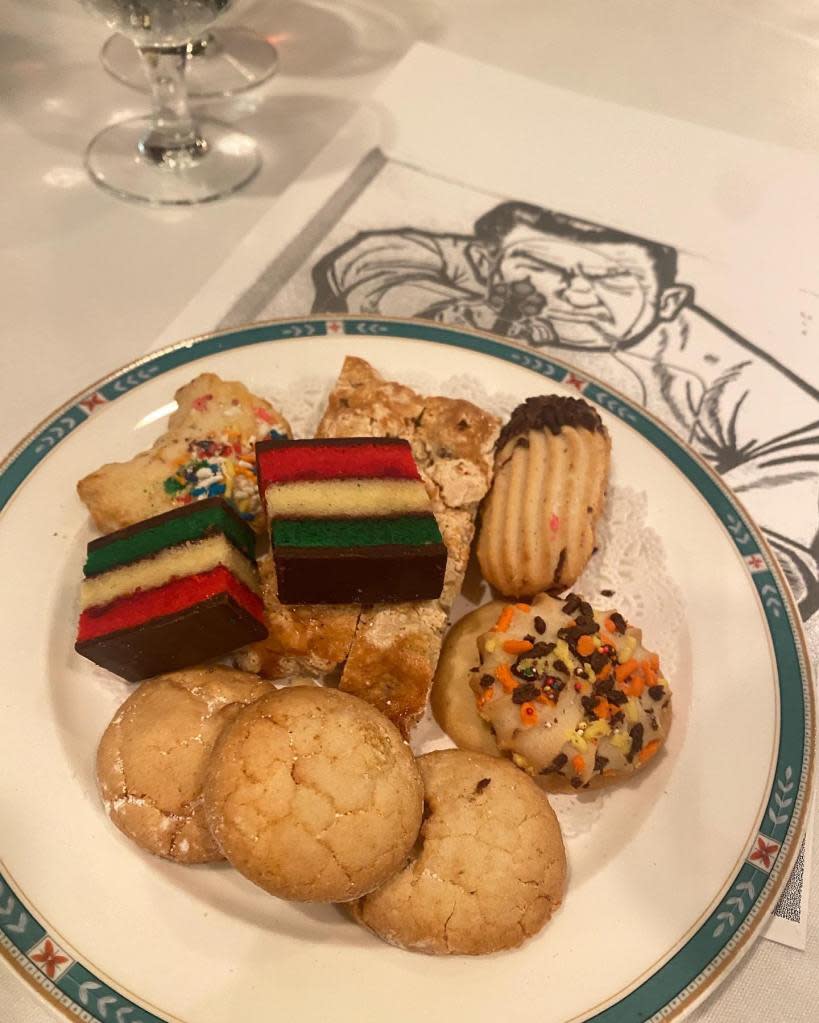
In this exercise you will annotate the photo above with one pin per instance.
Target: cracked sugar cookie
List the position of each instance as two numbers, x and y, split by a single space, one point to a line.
152 758
313 795
488 869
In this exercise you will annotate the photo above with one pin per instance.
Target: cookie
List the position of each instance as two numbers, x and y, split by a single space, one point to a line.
152 756
310 640
173 591
538 521
206 451
387 654
488 869
313 795
391 661
350 521
452 699
570 692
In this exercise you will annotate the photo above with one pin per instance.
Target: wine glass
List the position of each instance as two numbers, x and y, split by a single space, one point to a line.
168 157
221 63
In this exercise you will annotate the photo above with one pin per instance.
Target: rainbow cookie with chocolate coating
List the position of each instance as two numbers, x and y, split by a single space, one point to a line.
566 691
350 521
170 592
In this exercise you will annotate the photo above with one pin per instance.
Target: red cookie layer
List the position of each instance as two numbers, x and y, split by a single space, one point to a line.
288 462
176 595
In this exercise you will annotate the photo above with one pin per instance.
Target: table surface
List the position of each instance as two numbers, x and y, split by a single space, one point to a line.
90 282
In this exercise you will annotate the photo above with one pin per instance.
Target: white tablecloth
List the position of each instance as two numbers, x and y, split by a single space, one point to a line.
89 282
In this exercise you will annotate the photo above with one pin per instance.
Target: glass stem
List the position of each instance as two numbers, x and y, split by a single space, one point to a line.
205 46
173 139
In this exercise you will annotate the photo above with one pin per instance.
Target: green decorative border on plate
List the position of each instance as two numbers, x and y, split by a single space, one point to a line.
723 934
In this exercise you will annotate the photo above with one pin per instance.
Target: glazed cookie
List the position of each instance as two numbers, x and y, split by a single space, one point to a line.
571 693
152 757
313 795
538 521
488 870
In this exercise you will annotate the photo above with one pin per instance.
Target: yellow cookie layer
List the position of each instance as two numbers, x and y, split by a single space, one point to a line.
337 498
174 562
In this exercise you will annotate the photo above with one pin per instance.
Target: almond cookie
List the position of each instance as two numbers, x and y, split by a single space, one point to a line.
152 757
570 692
488 869
313 795
206 451
551 469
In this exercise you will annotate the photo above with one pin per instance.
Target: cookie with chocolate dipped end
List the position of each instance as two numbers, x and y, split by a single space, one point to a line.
313 795
152 757
538 520
488 869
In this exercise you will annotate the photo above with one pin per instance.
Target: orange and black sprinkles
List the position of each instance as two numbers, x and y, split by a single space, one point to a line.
605 680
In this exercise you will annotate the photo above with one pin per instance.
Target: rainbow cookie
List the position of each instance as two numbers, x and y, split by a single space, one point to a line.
350 521
170 592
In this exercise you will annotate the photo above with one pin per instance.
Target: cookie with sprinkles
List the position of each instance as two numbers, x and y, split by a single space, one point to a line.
451 698
568 692
206 451
538 520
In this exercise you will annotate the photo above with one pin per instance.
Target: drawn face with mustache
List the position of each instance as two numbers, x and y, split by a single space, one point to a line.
592 294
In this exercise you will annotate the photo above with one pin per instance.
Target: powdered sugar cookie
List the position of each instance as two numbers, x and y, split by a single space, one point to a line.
152 757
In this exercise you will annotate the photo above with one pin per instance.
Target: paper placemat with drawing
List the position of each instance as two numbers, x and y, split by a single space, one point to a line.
414 228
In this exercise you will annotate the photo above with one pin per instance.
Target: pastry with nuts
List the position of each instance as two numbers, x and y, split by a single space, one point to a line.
386 654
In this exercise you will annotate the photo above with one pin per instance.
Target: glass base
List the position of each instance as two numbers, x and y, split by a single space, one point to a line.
223 161
224 62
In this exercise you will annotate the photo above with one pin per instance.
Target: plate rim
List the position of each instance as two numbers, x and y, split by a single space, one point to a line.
740 936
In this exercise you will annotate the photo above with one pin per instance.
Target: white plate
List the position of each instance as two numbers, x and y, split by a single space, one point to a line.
670 876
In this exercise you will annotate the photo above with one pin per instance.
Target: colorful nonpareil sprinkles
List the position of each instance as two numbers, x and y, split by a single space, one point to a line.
223 467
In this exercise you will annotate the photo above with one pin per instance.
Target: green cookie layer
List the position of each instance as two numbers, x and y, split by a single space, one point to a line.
406 530
198 523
